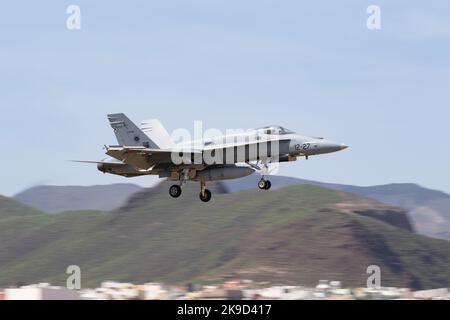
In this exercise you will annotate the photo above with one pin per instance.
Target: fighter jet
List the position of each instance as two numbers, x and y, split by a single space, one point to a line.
150 150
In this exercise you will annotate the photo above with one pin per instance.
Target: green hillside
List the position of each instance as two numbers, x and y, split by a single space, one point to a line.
295 235
12 208
428 210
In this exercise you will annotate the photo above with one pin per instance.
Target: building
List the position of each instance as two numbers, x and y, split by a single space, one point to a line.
432 294
41 291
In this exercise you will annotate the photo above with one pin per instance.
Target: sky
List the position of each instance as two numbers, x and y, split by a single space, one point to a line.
313 67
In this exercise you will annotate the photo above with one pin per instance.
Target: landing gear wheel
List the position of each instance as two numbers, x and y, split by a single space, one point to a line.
262 184
205 196
175 191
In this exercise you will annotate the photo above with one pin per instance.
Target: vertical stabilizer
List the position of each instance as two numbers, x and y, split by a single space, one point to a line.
127 133
156 132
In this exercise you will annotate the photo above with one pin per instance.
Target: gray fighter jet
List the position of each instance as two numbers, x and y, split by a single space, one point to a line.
150 150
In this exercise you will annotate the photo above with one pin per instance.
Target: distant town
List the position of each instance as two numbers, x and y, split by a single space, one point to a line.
229 290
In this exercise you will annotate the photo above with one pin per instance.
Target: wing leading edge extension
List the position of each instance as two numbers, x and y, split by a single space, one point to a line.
146 158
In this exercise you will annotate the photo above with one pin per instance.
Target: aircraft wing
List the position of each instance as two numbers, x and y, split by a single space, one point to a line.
144 158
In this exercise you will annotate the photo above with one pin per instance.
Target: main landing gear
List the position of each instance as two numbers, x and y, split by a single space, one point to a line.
205 194
264 184
176 190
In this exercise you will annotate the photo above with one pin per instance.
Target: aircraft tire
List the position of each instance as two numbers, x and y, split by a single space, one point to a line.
207 197
175 191
262 184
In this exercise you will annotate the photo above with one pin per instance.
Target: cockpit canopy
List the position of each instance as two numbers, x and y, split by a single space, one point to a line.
275 130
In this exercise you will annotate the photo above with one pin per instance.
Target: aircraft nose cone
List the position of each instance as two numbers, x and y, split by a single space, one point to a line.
343 146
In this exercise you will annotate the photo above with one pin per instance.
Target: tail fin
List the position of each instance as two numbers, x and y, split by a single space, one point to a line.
127 133
156 132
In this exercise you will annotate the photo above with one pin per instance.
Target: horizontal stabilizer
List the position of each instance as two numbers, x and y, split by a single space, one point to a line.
99 162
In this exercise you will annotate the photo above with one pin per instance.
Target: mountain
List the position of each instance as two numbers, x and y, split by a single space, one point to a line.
429 210
293 235
55 199
11 208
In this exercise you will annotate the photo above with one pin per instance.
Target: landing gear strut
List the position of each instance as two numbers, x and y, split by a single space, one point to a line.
176 190
205 194
264 184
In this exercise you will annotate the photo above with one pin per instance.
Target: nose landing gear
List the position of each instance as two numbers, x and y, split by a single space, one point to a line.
264 184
